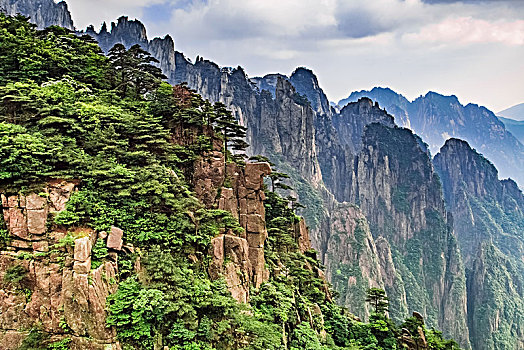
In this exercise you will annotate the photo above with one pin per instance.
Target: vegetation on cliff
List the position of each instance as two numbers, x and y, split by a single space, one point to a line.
69 112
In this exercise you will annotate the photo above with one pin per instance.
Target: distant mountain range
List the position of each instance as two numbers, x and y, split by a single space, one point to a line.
516 127
516 112
436 118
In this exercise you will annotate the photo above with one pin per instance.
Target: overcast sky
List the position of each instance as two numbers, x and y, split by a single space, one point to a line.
472 49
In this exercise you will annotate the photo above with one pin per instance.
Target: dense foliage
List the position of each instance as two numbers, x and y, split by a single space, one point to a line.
67 111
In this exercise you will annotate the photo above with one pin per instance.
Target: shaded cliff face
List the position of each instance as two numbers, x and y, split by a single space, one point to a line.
400 194
351 259
436 118
52 280
43 13
516 127
306 83
489 222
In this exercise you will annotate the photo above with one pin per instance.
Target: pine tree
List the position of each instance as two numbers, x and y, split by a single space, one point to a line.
233 133
377 298
121 65
144 75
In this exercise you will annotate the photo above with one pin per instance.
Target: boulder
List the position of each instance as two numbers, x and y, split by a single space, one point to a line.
114 240
34 202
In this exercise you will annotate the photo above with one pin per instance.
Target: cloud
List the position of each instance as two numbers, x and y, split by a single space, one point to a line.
225 19
361 18
467 30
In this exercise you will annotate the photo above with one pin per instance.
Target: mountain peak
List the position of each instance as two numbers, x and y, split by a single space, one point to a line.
43 13
515 112
436 95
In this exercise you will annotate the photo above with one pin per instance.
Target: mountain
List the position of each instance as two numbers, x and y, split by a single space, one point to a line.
131 32
516 112
128 222
489 223
43 13
515 127
436 118
374 202
356 156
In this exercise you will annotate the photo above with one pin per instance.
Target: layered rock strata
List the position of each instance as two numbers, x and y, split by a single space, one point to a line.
49 285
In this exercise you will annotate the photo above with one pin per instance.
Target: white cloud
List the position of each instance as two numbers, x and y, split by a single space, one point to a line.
468 30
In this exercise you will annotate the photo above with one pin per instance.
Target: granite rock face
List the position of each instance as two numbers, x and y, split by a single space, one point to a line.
240 260
43 13
58 289
240 191
489 221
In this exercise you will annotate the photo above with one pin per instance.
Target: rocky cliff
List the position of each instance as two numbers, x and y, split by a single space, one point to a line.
360 157
356 156
489 222
53 282
131 32
43 13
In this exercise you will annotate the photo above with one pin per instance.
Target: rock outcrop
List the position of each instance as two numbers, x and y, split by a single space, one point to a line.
131 32
489 221
240 191
43 13
48 283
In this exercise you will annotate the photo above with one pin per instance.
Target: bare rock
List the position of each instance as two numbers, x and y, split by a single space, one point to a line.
82 249
36 221
228 201
82 267
255 223
114 240
12 201
59 194
237 271
41 246
102 234
255 173
35 202
17 223
418 316
302 235
258 263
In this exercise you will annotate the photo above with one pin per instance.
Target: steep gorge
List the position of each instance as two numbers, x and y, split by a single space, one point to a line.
397 191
